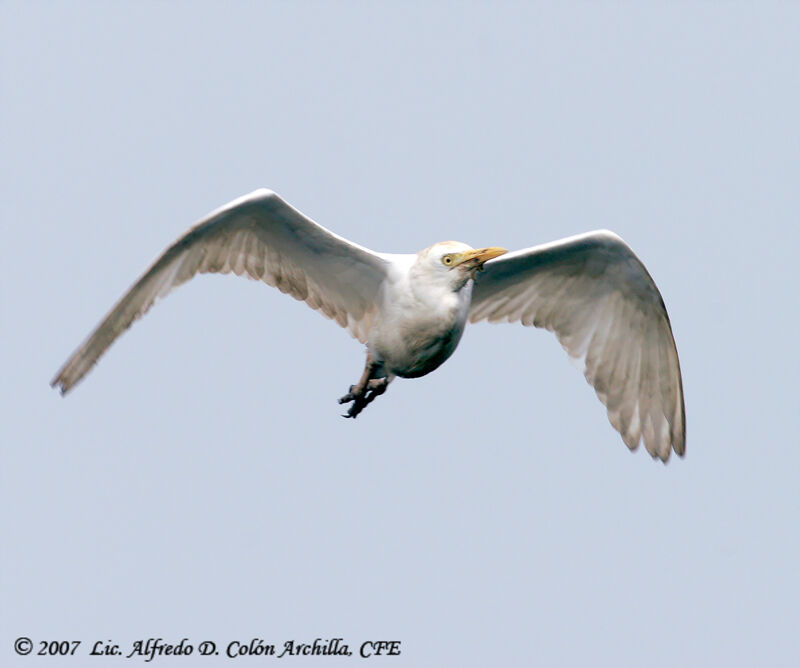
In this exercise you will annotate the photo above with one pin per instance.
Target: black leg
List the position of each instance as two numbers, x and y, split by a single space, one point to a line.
366 390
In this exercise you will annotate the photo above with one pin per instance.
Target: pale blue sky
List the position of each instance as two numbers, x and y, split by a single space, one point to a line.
200 482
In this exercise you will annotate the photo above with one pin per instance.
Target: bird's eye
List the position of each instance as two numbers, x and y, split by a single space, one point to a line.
447 260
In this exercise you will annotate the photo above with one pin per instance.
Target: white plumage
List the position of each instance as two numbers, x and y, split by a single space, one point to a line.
410 310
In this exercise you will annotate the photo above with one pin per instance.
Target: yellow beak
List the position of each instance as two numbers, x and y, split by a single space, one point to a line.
479 255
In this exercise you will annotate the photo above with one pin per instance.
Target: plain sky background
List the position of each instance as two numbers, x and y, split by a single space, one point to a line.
200 483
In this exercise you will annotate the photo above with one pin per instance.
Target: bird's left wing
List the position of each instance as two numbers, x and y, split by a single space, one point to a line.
259 236
598 299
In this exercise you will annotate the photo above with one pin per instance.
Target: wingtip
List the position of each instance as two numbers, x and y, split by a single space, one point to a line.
661 452
58 385
679 448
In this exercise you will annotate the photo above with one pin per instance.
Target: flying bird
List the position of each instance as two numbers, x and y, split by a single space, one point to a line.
411 309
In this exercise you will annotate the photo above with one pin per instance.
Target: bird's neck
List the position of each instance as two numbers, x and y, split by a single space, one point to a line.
440 301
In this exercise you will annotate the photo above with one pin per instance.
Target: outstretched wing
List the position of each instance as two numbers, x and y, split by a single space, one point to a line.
598 299
259 236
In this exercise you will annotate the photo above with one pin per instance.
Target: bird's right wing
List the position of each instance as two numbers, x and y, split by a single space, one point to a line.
598 299
259 236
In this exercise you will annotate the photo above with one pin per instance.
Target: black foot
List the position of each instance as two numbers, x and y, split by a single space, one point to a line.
362 397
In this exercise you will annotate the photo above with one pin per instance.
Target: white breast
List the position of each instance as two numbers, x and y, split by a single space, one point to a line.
419 326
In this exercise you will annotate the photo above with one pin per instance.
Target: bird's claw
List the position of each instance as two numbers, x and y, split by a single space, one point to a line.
350 396
363 396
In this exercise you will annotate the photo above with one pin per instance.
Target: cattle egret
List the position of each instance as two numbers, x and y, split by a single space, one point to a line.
411 310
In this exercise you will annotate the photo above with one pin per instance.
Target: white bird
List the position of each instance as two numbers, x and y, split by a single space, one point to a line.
411 310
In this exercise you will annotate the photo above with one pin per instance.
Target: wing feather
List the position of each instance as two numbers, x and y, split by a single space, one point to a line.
597 297
261 237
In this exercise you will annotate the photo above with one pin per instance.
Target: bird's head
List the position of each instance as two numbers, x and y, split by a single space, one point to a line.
453 263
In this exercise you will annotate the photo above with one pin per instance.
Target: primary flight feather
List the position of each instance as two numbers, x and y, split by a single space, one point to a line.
410 310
